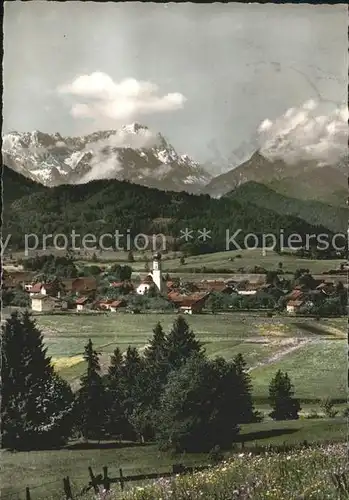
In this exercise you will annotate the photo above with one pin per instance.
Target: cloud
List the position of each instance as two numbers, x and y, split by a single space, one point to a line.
304 133
105 152
123 101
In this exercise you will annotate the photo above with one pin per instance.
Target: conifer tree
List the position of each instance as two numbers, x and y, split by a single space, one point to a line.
116 421
91 397
154 378
244 391
156 367
36 404
180 344
132 379
133 391
284 405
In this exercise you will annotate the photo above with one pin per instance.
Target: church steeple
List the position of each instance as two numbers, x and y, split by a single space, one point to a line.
157 272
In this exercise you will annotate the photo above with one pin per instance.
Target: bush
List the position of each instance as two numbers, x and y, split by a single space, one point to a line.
327 406
345 412
313 414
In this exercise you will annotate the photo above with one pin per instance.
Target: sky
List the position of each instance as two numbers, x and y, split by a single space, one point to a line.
204 75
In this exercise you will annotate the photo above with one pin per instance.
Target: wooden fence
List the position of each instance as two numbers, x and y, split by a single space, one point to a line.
105 481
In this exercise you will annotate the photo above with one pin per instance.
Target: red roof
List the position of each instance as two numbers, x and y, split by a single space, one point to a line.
80 284
171 284
102 302
186 300
81 300
117 303
212 284
36 288
295 294
295 302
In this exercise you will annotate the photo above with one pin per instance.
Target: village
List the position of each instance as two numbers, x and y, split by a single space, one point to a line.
270 291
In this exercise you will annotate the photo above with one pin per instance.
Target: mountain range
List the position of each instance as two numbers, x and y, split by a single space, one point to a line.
305 179
101 207
134 153
134 179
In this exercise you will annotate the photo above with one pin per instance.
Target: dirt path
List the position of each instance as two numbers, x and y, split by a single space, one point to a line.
282 353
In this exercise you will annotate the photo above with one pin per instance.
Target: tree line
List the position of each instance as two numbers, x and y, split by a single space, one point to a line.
170 393
101 207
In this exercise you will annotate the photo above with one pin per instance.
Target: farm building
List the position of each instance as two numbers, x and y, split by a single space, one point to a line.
215 286
189 304
81 285
18 278
44 303
110 305
42 289
81 303
293 306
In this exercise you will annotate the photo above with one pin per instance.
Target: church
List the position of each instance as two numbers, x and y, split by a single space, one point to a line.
154 278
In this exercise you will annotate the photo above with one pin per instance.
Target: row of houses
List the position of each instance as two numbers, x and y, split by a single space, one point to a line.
188 298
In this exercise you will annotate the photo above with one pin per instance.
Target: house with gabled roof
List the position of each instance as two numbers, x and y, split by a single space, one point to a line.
42 289
110 304
189 304
81 303
46 303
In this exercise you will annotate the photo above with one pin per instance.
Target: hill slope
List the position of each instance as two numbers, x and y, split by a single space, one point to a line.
258 169
104 206
314 212
305 179
326 184
16 185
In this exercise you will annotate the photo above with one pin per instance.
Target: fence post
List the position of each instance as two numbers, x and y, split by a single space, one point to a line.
93 480
27 493
177 468
121 479
67 488
106 482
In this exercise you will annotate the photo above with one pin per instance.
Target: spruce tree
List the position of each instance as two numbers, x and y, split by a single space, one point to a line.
116 420
91 397
284 405
133 388
156 367
36 404
131 377
244 391
154 378
180 344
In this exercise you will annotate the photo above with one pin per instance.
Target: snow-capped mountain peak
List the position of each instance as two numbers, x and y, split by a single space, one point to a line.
132 153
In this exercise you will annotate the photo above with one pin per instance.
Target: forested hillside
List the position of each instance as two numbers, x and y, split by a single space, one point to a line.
326 184
314 212
101 207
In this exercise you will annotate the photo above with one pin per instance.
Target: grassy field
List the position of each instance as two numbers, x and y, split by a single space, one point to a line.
316 367
47 468
231 259
249 259
317 370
